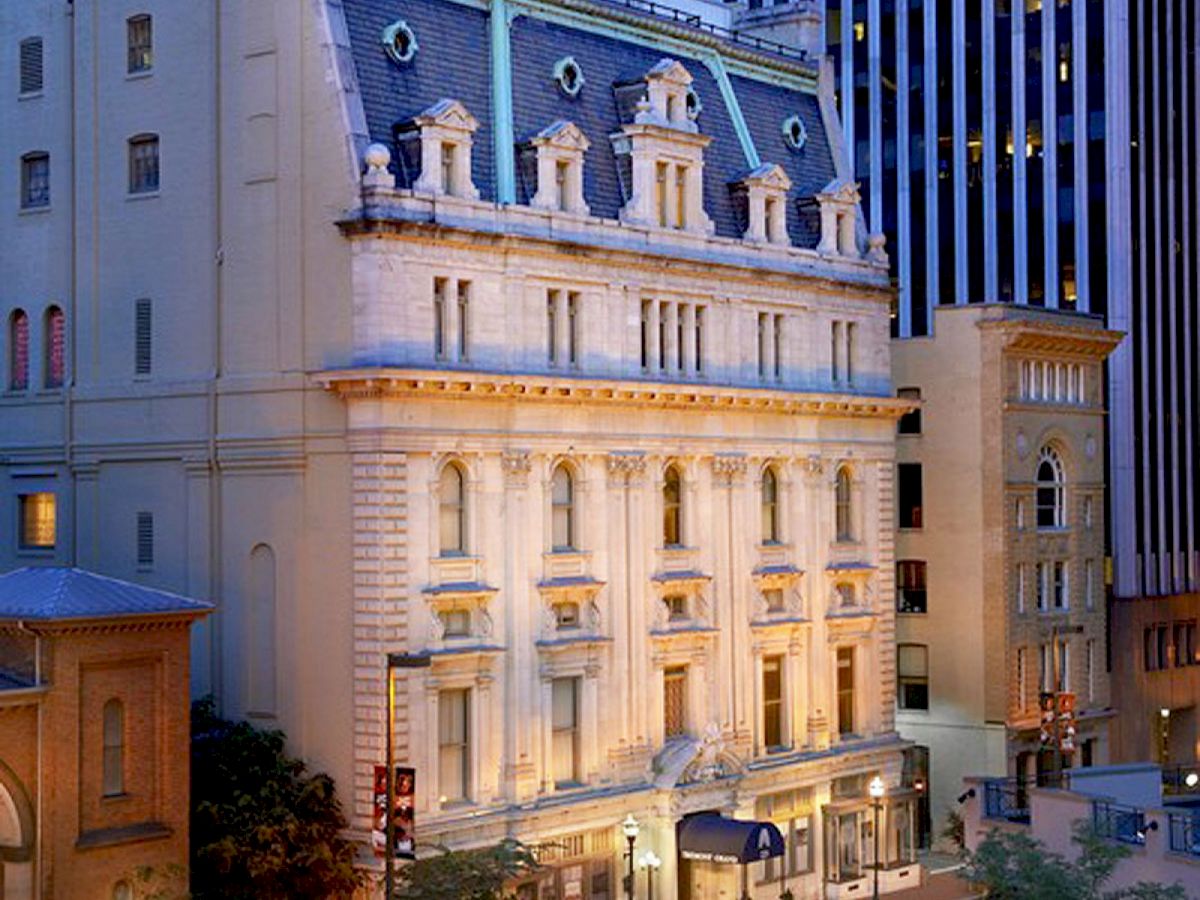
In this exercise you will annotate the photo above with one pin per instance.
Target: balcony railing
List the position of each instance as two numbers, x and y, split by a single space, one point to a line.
1184 831
1126 824
695 21
1008 798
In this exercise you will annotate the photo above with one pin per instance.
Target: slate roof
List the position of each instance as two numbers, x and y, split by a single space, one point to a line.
454 61
51 593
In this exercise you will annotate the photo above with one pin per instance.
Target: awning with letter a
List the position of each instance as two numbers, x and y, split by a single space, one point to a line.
709 837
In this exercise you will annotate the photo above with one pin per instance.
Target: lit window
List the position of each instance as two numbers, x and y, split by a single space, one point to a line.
452 509
54 355
562 503
113 782
35 180
18 351
910 586
143 164
31 65
141 43
674 701
454 749
842 501
1051 491
564 719
672 499
770 507
912 676
772 701
38 520
845 690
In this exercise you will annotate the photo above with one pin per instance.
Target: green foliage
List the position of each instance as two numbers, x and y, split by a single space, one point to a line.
262 826
465 874
954 831
1014 866
153 883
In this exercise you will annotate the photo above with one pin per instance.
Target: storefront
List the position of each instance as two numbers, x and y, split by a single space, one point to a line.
575 866
715 850
849 837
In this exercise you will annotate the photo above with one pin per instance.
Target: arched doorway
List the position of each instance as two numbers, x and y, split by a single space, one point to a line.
16 838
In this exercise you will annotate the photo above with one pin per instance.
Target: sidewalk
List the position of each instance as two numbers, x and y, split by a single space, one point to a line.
940 886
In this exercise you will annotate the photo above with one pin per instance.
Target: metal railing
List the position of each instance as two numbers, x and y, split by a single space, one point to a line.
1126 824
1184 833
1008 798
693 20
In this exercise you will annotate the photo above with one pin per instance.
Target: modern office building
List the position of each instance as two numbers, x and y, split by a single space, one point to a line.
540 340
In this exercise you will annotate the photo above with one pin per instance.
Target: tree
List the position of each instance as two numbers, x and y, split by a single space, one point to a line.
1015 866
465 874
262 825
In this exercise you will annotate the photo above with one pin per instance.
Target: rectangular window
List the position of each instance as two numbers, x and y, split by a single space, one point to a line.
1189 636
646 335
1089 584
1061 601
1044 665
772 693
560 184
447 167
909 494
910 423
35 180
1148 657
552 327
31 65
773 597
464 319
1021 587
142 335
454 748
680 196
762 345
38 520
1022 680
1091 671
1162 644
565 729
912 676
835 338
439 318
851 329
1043 578
662 335
674 701
145 540
1019 514
573 329
660 194
1064 666
777 337
910 586
677 607
845 690
141 44
143 164
455 623
700 316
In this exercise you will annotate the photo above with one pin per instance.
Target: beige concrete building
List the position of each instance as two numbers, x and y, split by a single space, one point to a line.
1000 541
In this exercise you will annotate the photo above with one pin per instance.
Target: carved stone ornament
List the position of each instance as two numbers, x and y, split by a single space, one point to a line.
714 758
729 468
626 466
516 465
814 466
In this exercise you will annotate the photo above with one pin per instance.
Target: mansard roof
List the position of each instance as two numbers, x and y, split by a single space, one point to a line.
455 60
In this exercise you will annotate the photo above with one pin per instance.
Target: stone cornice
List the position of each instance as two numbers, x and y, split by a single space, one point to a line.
399 383
1042 334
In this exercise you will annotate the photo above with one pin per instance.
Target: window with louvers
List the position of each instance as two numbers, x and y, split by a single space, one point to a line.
31 65
142 348
145 540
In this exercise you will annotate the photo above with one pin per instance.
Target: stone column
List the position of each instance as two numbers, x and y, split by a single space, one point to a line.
829 228
847 241
819 494
756 203
520 774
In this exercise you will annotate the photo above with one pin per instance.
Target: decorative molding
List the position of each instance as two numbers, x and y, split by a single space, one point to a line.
729 468
625 468
516 465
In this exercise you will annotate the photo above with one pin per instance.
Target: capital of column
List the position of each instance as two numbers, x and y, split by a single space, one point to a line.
626 468
516 465
728 467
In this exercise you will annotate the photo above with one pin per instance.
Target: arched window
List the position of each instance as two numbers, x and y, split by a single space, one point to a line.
562 509
54 351
672 508
452 506
113 780
845 528
122 890
770 507
1051 490
18 351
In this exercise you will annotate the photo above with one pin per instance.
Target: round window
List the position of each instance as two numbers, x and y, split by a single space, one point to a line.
693 104
569 76
794 132
400 42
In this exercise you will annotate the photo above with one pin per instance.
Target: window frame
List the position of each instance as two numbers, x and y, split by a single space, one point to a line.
675 678
846 696
906 680
769 501
672 507
462 697
114 741
774 706
139 49
35 186
54 348
455 506
25 45
562 510
1050 494
843 498
910 423
904 567
140 168
18 350
23 501
910 481
571 731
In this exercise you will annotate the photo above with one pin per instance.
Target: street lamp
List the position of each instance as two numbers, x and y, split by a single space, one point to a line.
876 789
650 862
630 827
394 661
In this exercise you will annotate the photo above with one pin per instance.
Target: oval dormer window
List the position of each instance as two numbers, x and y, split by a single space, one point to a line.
693 105
569 76
400 42
794 132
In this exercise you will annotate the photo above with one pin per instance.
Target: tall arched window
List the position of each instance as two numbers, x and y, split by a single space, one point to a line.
452 511
18 350
562 509
672 491
1051 490
54 352
770 507
842 502
113 780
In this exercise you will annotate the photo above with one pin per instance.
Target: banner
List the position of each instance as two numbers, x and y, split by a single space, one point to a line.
405 791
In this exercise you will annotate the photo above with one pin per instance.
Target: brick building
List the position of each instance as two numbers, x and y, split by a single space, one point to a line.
93 734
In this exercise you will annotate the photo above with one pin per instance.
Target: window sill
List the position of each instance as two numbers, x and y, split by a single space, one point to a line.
115 799
143 195
912 612
139 74
129 834
34 210
31 95
37 552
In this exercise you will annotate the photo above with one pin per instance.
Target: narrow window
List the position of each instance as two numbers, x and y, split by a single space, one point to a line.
1020 587
835 338
31 65
18 351
680 311
113 780
851 329
674 701
565 731
439 318
54 350
464 319
35 180
1043 578
1061 600
1045 664
1091 670
646 335
447 167
672 498
770 507
560 184
452 511
762 345
662 335
912 676
845 690
1087 512
562 502
842 502
910 423
1019 510
142 334
680 196
1022 679
1162 643
910 492
1064 666
777 337
552 327
143 164
769 212
1051 491
700 316
573 328
1148 649
38 521
454 748
772 694
660 194
1089 584
910 586
141 43
145 540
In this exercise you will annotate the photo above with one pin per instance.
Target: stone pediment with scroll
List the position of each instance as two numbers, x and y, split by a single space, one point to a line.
688 760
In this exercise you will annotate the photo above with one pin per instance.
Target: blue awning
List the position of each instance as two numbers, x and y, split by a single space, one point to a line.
712 838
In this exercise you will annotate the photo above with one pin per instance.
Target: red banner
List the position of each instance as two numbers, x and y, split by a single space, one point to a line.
405 795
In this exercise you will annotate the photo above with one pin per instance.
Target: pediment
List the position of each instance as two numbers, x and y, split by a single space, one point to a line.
842 189
769 175
448 113
564 135
670 70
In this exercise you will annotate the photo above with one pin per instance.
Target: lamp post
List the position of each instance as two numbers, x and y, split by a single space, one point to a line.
630 827
876 790
394 661
650 862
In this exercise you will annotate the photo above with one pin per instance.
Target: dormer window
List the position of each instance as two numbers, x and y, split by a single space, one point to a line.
560 149
838 203
765 190
445 132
